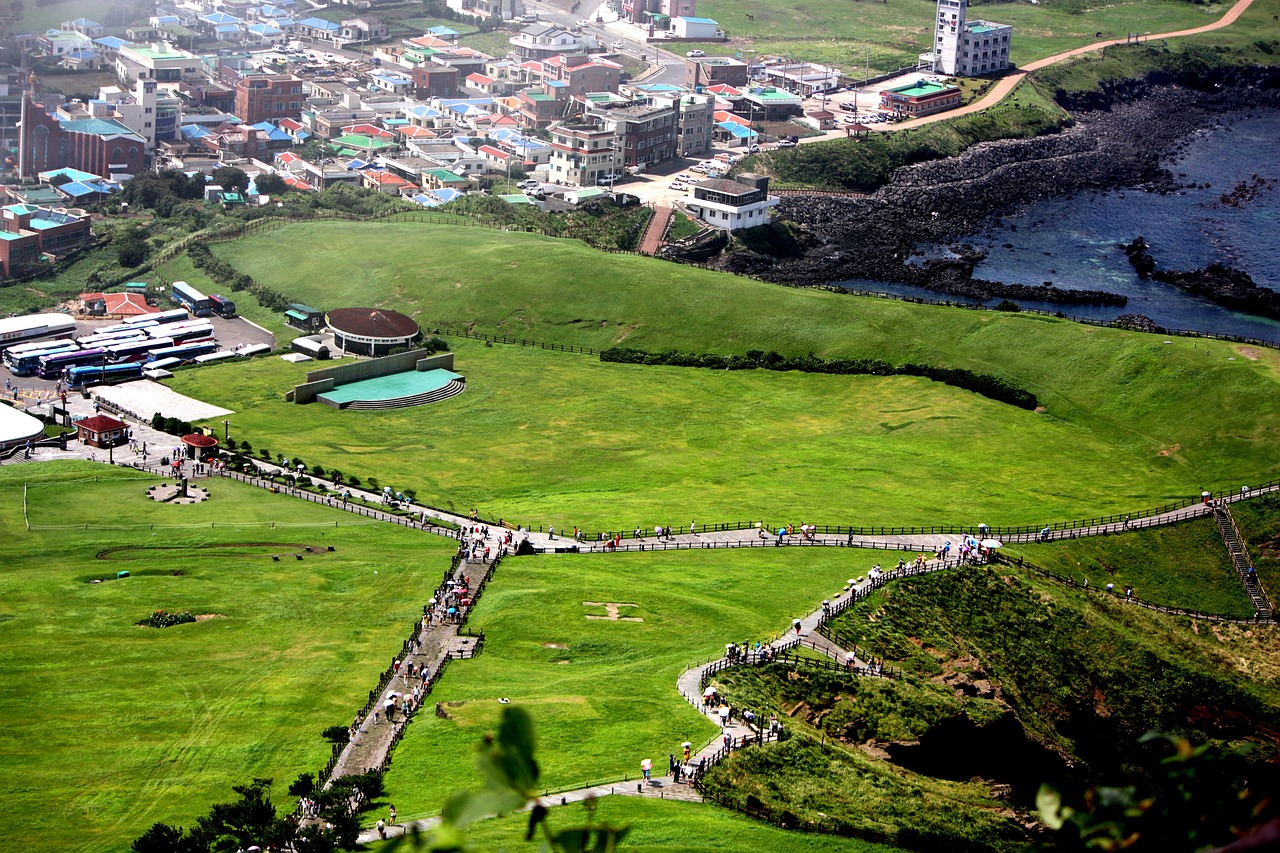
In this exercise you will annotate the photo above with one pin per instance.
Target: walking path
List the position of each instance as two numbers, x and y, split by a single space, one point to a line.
652 240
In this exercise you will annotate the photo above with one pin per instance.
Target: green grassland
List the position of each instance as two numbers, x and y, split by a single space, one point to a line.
603 693
1184 565
181 269
668 826
110 727
541 437
839 32
1129 420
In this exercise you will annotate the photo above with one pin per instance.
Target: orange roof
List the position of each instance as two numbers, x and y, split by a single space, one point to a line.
127 304
415 132
431 41
722 115
91 297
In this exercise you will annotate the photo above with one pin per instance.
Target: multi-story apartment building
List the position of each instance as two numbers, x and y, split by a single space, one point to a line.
581 153
268 97
645 132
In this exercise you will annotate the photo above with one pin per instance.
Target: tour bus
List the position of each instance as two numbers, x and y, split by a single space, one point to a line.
188 297
23 359
34 326
162 364
83 375
51 366
89 341
214 356
123 328
222 306
136 350
186 352
161 317
252 349
182 331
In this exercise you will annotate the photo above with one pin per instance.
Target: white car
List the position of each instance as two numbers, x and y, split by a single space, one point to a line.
696 53
584 23
618 45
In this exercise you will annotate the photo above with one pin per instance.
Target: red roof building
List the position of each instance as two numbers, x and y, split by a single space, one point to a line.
102 431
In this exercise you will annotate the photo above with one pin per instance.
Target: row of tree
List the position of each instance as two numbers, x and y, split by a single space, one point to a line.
985 384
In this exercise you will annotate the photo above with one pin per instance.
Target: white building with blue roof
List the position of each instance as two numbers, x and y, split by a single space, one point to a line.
696 29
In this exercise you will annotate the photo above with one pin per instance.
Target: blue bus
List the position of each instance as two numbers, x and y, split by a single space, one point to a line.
83 375
222 306
188 297
136 350
186 352
53 365
23 359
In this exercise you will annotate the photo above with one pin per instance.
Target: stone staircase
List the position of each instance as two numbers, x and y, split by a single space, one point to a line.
1240 559
455 386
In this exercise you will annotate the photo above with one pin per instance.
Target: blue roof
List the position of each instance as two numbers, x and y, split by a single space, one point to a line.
738 131
112 42
79 189
442 31
699 20
193 131
161 20
68 172
273 133
219 18
227 28
319 24
85 22
264 30
81 54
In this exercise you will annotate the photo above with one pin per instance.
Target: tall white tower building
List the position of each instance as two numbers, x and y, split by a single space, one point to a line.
968 48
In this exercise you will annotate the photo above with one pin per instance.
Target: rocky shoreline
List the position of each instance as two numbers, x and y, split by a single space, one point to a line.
1118 140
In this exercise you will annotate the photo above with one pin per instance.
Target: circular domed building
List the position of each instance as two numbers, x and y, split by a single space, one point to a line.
370 331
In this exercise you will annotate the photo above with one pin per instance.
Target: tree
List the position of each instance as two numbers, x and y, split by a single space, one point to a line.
160 838
231 178
270 183
132 248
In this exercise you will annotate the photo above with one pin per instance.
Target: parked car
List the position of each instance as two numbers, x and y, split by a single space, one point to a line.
786 143
676 185
848 106
618 45
696 53
606 180
529 19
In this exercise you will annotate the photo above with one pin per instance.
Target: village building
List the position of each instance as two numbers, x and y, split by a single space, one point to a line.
732 205
922 98
968 48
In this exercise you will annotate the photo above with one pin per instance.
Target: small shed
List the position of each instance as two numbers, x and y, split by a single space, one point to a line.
102 431
198 445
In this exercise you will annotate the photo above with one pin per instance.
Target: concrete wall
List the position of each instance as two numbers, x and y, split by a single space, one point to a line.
439 361
320 381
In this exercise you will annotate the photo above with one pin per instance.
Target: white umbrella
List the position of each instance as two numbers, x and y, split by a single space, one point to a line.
647 764
991 543
710 691
686 743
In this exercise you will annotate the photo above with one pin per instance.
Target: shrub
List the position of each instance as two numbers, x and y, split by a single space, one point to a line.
166 619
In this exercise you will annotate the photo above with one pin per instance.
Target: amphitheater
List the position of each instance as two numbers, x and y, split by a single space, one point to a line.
399 381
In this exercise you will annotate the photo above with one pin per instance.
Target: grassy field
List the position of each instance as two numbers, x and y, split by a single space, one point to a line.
1185 565
668 826
603 693
1128 420
541 437
181 269
840 32
110 727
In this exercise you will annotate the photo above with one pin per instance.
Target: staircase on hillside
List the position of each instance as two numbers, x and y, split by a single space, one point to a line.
1240 558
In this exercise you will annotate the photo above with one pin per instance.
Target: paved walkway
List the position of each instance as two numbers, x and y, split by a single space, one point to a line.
653 234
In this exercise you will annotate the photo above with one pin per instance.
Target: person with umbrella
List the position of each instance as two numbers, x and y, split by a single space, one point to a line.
646 767
687 747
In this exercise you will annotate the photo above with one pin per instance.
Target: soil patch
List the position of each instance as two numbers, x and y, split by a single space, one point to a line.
1249 352
205 617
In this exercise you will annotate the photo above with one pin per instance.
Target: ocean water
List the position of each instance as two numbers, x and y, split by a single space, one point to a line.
1072 241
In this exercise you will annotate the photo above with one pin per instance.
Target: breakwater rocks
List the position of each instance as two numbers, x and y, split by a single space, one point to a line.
944 201
1227 287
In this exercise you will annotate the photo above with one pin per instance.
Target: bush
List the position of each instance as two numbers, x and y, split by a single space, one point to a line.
166 619
335 734
985 384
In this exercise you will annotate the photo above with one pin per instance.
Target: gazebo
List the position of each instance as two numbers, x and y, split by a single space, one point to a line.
199 445
856 131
